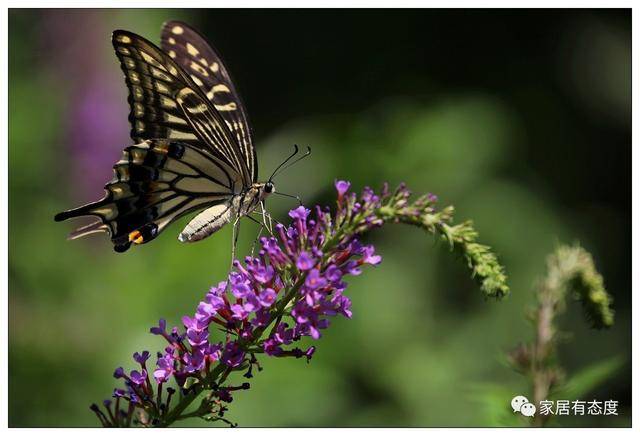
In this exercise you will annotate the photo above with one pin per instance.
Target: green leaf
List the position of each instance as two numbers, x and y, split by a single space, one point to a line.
590 378
494 403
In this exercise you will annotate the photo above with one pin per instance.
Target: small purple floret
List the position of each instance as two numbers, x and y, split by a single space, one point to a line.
141 358
342 187
305 262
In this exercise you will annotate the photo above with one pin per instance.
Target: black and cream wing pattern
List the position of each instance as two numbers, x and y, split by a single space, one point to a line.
166 103
197 57
189 153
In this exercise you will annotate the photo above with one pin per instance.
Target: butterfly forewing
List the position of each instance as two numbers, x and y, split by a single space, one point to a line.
197 57
166 103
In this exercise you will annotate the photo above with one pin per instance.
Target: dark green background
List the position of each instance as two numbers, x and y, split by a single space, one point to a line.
521 119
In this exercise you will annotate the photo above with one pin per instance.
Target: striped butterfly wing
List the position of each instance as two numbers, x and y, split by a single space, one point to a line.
197 57
155 182
167 104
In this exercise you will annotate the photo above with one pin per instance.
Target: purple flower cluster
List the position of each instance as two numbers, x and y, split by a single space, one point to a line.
291 288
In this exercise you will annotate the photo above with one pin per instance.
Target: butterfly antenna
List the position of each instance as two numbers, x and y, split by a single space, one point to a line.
295 151
283 167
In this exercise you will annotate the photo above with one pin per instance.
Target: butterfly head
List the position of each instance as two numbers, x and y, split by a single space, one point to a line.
258 193
263 190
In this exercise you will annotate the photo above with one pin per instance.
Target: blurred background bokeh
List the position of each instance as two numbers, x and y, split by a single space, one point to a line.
521 119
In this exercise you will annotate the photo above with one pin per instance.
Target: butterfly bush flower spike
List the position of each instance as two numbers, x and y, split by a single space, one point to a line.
291 290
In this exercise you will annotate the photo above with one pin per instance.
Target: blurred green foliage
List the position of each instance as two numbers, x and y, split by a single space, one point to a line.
570 273
494 119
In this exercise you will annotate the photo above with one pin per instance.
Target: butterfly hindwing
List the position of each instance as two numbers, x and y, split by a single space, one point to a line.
204 65
166 103
155 183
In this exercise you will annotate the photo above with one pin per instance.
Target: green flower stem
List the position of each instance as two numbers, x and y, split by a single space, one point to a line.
193 393
462 238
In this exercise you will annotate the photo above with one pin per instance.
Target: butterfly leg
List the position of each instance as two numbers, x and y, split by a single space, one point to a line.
261 224
236 233
234 244
262 227
255 241
266 215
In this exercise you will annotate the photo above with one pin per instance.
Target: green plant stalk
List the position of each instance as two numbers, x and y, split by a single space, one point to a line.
570 272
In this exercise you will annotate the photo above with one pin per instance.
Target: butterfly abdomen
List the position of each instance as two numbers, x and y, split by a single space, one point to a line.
207 222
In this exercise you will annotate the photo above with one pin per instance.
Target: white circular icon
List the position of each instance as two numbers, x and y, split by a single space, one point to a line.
528 409
517 403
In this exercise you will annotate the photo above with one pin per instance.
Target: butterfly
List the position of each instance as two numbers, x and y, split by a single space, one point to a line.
193 150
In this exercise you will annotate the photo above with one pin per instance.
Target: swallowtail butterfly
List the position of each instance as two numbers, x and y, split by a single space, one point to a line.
193 145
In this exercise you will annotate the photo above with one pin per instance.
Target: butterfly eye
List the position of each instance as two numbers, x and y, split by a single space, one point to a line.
268 187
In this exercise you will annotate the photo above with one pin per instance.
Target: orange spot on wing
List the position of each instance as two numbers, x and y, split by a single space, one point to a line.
136 237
